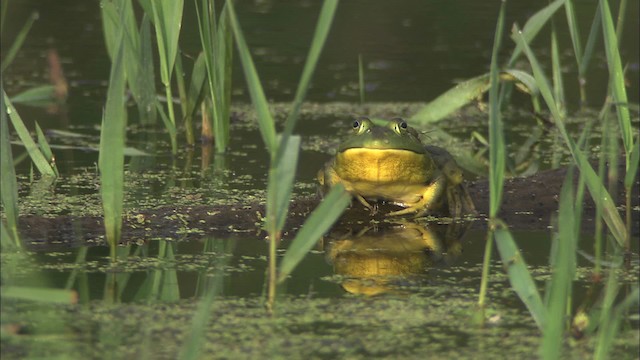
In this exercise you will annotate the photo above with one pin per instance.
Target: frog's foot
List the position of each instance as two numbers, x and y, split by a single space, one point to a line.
420 208
405 211
428 201
363 201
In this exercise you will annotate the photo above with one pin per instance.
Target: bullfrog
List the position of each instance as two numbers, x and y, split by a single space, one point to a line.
391 163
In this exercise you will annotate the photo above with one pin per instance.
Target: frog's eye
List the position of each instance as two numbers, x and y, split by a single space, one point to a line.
361 124
399 125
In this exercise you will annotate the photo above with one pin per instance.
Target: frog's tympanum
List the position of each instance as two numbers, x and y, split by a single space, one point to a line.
390 163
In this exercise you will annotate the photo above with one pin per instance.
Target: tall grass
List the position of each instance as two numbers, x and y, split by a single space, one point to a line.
46 166
563 265
9 238
112 143
595 184
167 21
217 44
552 314
119 16
496 155
619 94
283 150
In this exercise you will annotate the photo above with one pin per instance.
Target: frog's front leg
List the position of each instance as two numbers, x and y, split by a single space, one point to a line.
429 200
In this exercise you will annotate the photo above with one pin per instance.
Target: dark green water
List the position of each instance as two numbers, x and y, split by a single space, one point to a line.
412 52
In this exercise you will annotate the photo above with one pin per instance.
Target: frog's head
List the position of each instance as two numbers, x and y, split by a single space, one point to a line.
396 135
391 154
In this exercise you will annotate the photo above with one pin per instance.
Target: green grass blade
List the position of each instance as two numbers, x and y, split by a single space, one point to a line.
138 63
110 26
167 17
280 185
17 44
171 128
316 225
208 32
497 152
525 81
32 148
51 296
167 21
574 31
616 76
519 277
609 328
591 41
38 94
146 79
223 68
596 188
319 38
196 84
453 99
132 62
146 6
468 91
217 45
533 26
563 270
46 149
496 159
7 239
622 11
111 159
632 171
187 120
265 120
8 186
556 67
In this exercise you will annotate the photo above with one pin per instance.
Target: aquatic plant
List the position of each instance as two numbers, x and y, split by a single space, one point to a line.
552 314
112 143
217 45
167 20
284 153
9 238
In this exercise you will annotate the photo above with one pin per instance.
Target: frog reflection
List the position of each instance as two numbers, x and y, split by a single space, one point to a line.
376 260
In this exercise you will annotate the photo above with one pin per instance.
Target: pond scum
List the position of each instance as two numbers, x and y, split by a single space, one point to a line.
208 96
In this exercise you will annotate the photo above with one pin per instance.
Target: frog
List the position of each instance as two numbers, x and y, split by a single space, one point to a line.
390 163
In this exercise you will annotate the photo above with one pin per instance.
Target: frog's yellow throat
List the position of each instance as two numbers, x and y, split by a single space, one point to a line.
384 166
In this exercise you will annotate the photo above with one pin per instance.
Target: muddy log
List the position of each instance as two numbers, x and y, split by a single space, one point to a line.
528 203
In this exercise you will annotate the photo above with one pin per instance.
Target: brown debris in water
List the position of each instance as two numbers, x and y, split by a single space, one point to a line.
528 203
